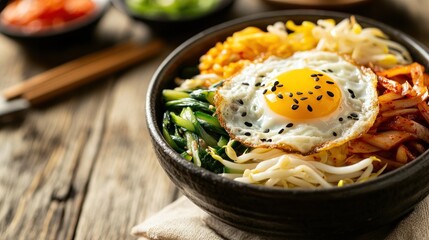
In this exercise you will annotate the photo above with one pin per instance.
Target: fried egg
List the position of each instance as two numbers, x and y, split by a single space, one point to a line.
309 102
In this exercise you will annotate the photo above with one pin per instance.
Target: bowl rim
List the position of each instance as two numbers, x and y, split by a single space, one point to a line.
101 7
376 184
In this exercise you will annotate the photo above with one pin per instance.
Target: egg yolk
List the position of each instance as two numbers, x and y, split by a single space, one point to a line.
303 94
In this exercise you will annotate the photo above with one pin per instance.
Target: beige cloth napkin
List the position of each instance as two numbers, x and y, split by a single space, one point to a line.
182 220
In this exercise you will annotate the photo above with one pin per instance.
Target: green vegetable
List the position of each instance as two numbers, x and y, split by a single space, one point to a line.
170 141
181 122
190 127
209 119
193 145
203 95
211 164
189 115
180 142
189 102
173 9
170 95
166 126
210 123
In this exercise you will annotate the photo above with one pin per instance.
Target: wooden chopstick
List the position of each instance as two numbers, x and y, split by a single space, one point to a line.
80 71
17 90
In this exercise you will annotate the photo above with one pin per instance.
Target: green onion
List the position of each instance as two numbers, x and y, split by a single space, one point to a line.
170 141
170 95
189 102
189 115
180 142
193 146
203 95
181 122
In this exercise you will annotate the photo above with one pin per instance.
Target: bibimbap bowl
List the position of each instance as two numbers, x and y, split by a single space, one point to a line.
345 211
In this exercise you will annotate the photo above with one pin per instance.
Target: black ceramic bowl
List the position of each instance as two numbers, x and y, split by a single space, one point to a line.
324 213
73 30
164 24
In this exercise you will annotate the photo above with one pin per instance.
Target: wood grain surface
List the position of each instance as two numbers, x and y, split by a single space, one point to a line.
82 166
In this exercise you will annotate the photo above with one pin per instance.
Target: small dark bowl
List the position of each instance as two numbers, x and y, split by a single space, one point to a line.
324 213
71 31
164 24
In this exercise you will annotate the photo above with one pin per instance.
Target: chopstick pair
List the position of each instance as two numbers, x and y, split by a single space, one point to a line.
73 74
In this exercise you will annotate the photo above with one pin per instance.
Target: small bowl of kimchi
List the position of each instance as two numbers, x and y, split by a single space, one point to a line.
369 182
39 21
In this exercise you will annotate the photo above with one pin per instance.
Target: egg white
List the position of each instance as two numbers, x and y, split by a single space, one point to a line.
238 104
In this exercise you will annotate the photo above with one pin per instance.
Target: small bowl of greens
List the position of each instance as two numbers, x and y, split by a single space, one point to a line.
174 14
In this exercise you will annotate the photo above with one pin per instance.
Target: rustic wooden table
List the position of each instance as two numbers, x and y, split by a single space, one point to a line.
82 167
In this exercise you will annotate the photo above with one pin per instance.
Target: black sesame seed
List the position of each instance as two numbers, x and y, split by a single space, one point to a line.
247 134
352 94
319 97
313 75
267 130
281 131
280 85
295 107
290 94
245 84
316 79
248 124
280 96
340 119
257 84
317 87
319 74
263 140
289 125
329 82
298 93
265 91
324 70
276 83
310 92
334 133
240 101
295 101
304 98
349 117
309 108
353 115
273 89
331 94
330 70
243 114
262 85
269 140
